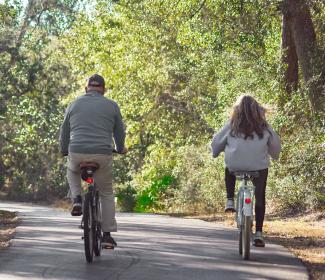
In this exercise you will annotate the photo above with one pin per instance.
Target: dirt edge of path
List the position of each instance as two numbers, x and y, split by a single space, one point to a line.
8 223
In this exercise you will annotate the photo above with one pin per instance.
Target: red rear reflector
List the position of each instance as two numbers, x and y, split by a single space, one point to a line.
248 200
90 180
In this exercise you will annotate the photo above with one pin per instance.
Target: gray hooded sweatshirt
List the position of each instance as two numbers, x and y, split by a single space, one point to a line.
249 154
90 124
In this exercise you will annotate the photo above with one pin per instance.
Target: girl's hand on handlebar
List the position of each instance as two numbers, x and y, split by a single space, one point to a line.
125 150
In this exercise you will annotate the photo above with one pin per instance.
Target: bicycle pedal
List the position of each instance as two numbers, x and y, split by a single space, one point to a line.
108 247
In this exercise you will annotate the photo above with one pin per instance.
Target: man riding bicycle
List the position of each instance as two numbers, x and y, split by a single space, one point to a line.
86 135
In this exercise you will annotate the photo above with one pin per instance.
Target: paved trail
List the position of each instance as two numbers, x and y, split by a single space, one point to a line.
48 245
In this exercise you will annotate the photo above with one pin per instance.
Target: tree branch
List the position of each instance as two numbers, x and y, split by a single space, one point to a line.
198 10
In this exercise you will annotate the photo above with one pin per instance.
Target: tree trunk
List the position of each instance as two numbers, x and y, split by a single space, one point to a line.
289 57
2 174
304 37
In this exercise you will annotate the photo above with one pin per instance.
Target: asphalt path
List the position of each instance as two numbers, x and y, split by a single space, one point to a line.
48 245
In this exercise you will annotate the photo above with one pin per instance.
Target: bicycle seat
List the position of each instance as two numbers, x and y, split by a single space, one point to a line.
91 165
249 174
87 169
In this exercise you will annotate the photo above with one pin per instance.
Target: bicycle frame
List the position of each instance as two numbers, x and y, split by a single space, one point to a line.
245 201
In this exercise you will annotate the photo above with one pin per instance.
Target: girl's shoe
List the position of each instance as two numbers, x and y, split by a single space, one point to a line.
230 205
259 240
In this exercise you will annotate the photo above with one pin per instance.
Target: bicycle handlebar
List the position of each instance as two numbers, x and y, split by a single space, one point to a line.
114 151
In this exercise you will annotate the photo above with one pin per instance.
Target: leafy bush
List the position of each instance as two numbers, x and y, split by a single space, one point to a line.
297 181
126 199
152 198
194 182
200 183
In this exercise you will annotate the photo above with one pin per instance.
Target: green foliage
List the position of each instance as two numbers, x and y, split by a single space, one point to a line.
155 183
298 179
149 199
175 68
34 76
200 181
126 199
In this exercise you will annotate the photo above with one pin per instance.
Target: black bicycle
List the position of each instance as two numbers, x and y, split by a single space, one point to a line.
91 219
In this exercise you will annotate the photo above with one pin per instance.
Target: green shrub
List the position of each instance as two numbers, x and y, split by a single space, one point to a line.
297 181
200 183
126 199
152 198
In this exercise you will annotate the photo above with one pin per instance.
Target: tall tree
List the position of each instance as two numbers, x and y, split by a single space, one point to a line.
289 56
299 39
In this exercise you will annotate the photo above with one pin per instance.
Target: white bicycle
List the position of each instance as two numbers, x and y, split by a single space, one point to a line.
245 211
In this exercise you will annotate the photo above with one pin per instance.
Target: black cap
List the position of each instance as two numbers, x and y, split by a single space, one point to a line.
96 81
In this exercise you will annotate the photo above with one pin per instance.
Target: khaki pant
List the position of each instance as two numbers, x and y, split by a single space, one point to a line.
103 179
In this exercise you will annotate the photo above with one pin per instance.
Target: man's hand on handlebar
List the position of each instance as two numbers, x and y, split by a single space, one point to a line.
125 150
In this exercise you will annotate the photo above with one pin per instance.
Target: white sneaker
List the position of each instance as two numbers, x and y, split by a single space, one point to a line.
230 205
259 239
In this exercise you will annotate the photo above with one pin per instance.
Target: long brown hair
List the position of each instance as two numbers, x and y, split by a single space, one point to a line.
248 116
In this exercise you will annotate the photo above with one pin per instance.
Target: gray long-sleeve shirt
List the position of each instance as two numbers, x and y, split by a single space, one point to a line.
246 154
90 124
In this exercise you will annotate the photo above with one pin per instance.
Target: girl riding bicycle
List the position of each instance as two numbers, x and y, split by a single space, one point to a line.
247 140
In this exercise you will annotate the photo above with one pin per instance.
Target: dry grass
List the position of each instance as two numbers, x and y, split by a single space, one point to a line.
305 237
8 223
63 205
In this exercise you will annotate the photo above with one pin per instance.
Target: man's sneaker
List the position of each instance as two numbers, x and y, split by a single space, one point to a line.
259 240
77 206
230 205
107 241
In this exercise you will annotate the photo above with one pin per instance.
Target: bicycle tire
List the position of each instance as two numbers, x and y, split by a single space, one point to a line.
98 227
88 229
240 247
239 220
246 237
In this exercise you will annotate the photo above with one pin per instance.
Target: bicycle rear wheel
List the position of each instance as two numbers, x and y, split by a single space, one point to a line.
98 227
88 229
246 237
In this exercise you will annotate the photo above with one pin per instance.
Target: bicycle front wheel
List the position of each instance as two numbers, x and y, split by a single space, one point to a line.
246 237
240 241
88 228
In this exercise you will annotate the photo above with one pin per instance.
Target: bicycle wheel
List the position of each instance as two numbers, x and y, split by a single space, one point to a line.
98 227
239 220
240 247
88 230
246 237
